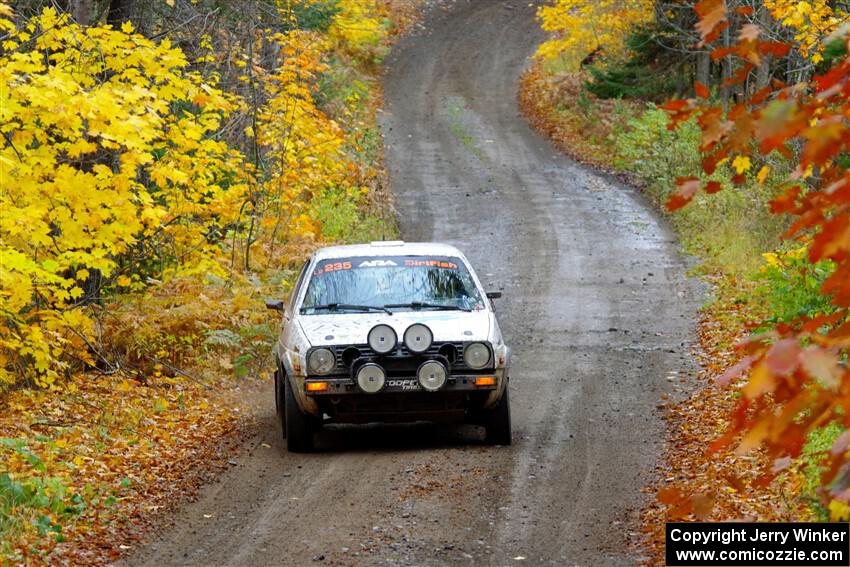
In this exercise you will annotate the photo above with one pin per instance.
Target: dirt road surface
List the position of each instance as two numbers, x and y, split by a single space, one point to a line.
596 308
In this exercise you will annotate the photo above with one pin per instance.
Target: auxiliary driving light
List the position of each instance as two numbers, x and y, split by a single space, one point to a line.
432 375
418 338
382 339
371 378
321 361
476 355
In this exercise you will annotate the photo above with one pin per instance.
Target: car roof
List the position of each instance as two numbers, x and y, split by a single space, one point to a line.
388 248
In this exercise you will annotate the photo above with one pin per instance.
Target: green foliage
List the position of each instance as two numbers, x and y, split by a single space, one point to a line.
585 106
638 76
729 230
817 446
341 218
43 500
315 16
790 286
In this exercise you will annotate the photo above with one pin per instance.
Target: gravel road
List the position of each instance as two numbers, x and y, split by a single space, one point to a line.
596 307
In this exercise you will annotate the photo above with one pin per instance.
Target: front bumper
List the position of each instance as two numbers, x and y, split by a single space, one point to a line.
456 383
401 400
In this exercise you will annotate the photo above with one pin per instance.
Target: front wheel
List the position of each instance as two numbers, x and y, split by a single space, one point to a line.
497 421
279 401
299 426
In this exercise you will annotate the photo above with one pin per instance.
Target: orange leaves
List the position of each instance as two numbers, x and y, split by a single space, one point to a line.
821 365
781 359
712 19
688 187
797 375
687 190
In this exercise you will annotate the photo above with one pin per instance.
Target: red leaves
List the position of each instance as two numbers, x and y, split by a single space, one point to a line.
821 365
786 202
735 371
681 504
797 375
781 359
775 48
688 187
714 128
824 140
679 111
712 187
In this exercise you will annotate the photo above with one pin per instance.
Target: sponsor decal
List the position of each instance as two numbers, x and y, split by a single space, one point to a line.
404 384
332 267
430 264
336 265
376 264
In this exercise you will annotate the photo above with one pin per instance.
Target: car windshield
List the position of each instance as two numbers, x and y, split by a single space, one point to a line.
391 283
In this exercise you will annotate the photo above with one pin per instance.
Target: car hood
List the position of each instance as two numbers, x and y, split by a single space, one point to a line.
352 328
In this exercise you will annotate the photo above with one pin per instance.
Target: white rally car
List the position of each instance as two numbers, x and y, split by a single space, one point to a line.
389 331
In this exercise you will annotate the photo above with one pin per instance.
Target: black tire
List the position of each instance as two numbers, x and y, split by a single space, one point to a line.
279 402
299 426
497 421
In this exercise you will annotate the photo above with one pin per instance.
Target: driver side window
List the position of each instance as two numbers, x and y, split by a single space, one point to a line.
296 289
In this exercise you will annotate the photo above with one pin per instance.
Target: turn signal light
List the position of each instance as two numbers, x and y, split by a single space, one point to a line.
317 386
485 381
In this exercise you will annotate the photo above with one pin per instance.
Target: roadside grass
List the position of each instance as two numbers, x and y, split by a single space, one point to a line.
577 122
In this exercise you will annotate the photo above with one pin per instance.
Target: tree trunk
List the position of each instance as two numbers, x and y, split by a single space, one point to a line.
726 72
119 12
704 68
82 11
763 72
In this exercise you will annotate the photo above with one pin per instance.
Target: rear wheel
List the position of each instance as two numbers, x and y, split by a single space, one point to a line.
497 421
299 426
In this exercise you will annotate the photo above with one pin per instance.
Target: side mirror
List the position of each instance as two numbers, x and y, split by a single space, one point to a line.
275 304
494 294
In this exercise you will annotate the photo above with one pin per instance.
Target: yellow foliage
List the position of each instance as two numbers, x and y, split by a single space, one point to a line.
115 174
582 26
357 24
96 165
812 21
839 511
741 164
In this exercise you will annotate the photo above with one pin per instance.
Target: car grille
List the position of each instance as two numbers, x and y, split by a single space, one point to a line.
399 362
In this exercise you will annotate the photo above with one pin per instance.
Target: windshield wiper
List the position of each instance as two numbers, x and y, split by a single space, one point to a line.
337 306
423 305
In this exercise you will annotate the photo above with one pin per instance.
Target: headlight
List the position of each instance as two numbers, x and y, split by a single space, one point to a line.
418 338
432 375
371 378
321 361
382 339
476 355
